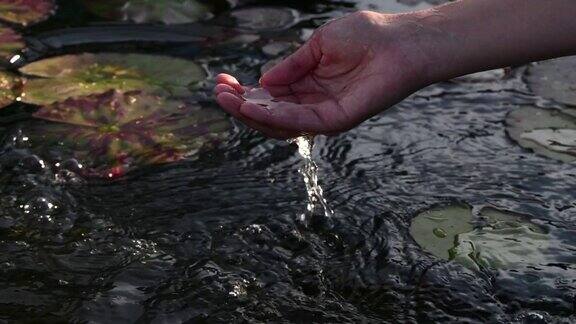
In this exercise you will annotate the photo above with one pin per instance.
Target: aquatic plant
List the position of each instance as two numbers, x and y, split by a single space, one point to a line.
150 11
500 240
115 132
68 76
10 85
554 79
549 132
11 43
506 241
435 230
26 12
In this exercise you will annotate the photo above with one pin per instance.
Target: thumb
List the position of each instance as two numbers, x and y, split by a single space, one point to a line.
295 66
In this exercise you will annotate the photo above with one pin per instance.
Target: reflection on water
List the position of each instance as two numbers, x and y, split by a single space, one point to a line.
219 238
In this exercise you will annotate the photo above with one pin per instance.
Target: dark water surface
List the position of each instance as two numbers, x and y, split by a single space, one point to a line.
218 239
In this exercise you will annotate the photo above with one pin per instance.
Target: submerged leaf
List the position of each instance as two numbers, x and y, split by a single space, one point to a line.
10 86
115 132
548 132
11 43
26 12
266 18
150 11
71 76
554 79
506 240
559 140
449 221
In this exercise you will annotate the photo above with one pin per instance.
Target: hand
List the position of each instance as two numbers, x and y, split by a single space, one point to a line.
351 69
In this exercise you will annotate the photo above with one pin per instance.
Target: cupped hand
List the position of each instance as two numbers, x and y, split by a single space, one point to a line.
349 70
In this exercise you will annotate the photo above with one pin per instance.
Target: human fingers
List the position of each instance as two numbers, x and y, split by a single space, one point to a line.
224 78
295 66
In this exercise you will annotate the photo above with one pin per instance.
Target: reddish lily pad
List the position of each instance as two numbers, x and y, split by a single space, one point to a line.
11 43
150 11
86 74
116 132
26 12
10 85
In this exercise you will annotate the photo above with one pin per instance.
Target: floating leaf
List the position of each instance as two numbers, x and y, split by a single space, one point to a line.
10 86
435 230
26 12
80 75
558 140
266 18
115 132
11 43
554 79
508 241
546 131
150 11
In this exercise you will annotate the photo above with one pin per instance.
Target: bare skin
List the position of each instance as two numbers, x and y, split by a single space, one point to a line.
359 65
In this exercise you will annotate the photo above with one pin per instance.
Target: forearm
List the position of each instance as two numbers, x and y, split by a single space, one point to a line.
474 35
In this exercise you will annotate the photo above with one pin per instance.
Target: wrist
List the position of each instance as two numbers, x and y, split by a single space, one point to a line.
432 52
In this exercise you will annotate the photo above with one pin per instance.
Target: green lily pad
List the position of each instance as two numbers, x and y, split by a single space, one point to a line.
11 43
266 18
115 132
509 241
151 11
10 85
548 132
557 140
26 12
506 240
554 79
436 230
71 76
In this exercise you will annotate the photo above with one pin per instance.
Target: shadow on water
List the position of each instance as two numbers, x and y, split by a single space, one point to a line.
218 238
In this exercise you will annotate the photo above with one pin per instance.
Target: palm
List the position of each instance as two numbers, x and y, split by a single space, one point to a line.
334 82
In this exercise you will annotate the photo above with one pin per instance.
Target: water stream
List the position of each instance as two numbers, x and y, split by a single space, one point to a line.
317 204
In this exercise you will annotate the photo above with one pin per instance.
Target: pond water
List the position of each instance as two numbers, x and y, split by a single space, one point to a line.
218 235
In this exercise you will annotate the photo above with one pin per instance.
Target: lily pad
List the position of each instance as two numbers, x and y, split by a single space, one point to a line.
508 241
10 86
85 74
115 132
505 240
26 12
436 230
548 132
11 43
266 18
151 11
558 140
554 79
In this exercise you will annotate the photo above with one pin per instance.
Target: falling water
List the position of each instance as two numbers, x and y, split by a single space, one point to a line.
317 205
